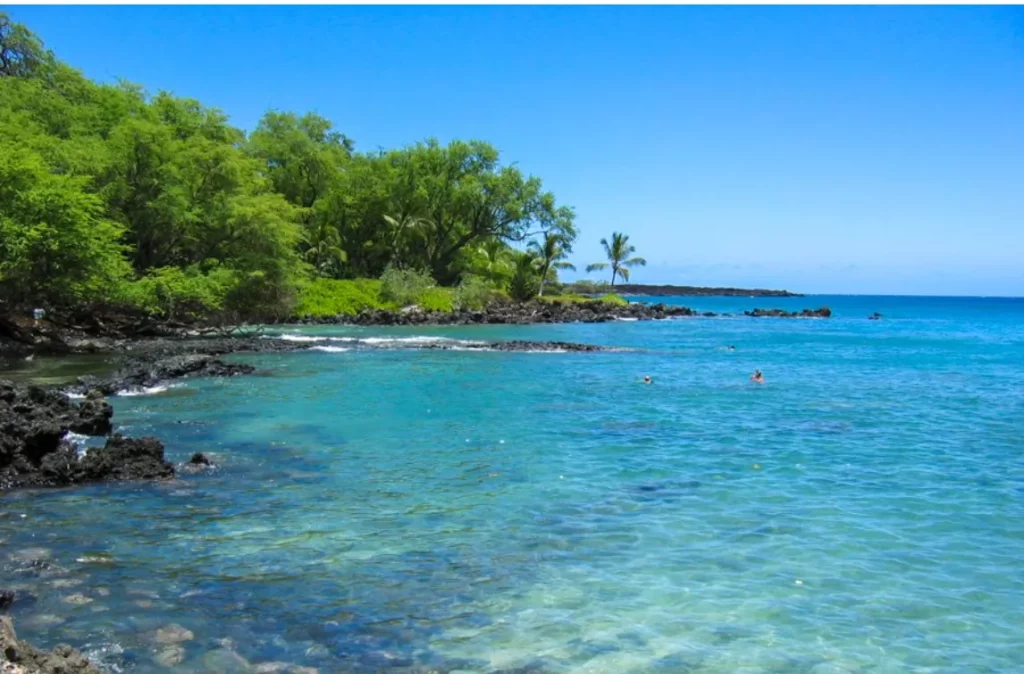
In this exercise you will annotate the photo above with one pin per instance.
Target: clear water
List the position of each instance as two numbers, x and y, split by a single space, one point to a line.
409 511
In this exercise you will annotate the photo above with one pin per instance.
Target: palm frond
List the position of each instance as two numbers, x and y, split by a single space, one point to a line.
597 266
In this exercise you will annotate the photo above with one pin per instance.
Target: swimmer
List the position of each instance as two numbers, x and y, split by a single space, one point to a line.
757 377
732 348
647 379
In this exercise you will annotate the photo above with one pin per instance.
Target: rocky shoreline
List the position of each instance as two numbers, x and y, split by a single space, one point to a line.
20 657
540 312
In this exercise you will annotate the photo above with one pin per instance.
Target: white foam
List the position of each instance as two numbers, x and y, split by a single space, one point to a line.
416 340
330 349
75 396
626 318
300 338
75 438
143 390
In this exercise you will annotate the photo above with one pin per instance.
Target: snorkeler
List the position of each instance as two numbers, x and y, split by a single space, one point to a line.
647 379
757 377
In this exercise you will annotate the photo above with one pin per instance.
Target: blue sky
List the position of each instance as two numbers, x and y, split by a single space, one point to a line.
856 150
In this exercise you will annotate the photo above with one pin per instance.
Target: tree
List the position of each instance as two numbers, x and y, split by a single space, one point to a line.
619 259
56 247
469 198
21 52
549 255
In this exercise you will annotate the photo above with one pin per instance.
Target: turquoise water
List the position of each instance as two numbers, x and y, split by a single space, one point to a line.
415 511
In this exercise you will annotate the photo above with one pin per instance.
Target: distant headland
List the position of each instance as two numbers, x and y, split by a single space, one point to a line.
696 291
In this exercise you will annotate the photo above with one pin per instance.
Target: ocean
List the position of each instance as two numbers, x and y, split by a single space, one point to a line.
453 511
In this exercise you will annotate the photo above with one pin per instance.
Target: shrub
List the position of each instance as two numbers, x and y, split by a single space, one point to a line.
436 299
404 287
332 297
175 293
617 300
473 293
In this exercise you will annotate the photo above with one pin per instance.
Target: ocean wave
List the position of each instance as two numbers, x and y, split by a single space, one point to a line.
143 390
330 349
299 338
75 396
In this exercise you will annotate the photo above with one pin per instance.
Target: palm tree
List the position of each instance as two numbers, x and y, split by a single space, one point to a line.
618 257
494 260
402 226
325 252
549 255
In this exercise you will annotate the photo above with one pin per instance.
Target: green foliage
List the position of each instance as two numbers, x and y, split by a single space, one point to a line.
550 255
56 248
109 193
332 297
437 299
617 300
612 299
525 281
618 253
585 287
473 293
404 287
172 292
21 52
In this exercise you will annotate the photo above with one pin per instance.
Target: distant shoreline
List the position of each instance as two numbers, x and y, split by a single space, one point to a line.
633 289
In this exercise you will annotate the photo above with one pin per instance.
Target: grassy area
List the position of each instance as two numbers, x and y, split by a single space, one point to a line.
331 297
607 299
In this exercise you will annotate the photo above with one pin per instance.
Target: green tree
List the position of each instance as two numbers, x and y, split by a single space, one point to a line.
618 252
550 254
56 247
21 52
470 197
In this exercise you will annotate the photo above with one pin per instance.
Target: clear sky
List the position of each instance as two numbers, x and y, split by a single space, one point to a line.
857 150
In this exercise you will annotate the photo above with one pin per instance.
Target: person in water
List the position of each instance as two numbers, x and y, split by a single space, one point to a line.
647 379
757 377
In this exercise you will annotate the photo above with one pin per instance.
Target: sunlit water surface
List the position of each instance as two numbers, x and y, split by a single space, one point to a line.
415 511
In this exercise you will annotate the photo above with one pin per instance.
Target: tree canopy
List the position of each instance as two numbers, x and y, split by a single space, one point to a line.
109 194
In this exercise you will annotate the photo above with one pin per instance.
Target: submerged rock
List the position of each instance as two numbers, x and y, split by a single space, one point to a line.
173 634
7 598
199 459
225 661
77 599
170 656
19 657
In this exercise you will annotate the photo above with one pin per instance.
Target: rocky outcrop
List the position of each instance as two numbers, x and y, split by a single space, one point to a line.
20 657
35 450
823 312
145 373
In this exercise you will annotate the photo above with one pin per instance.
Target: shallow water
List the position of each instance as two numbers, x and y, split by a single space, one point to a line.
416 511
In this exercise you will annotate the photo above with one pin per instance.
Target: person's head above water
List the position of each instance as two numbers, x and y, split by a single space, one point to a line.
647 379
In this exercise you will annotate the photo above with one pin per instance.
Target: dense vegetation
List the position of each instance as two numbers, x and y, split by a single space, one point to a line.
114 198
